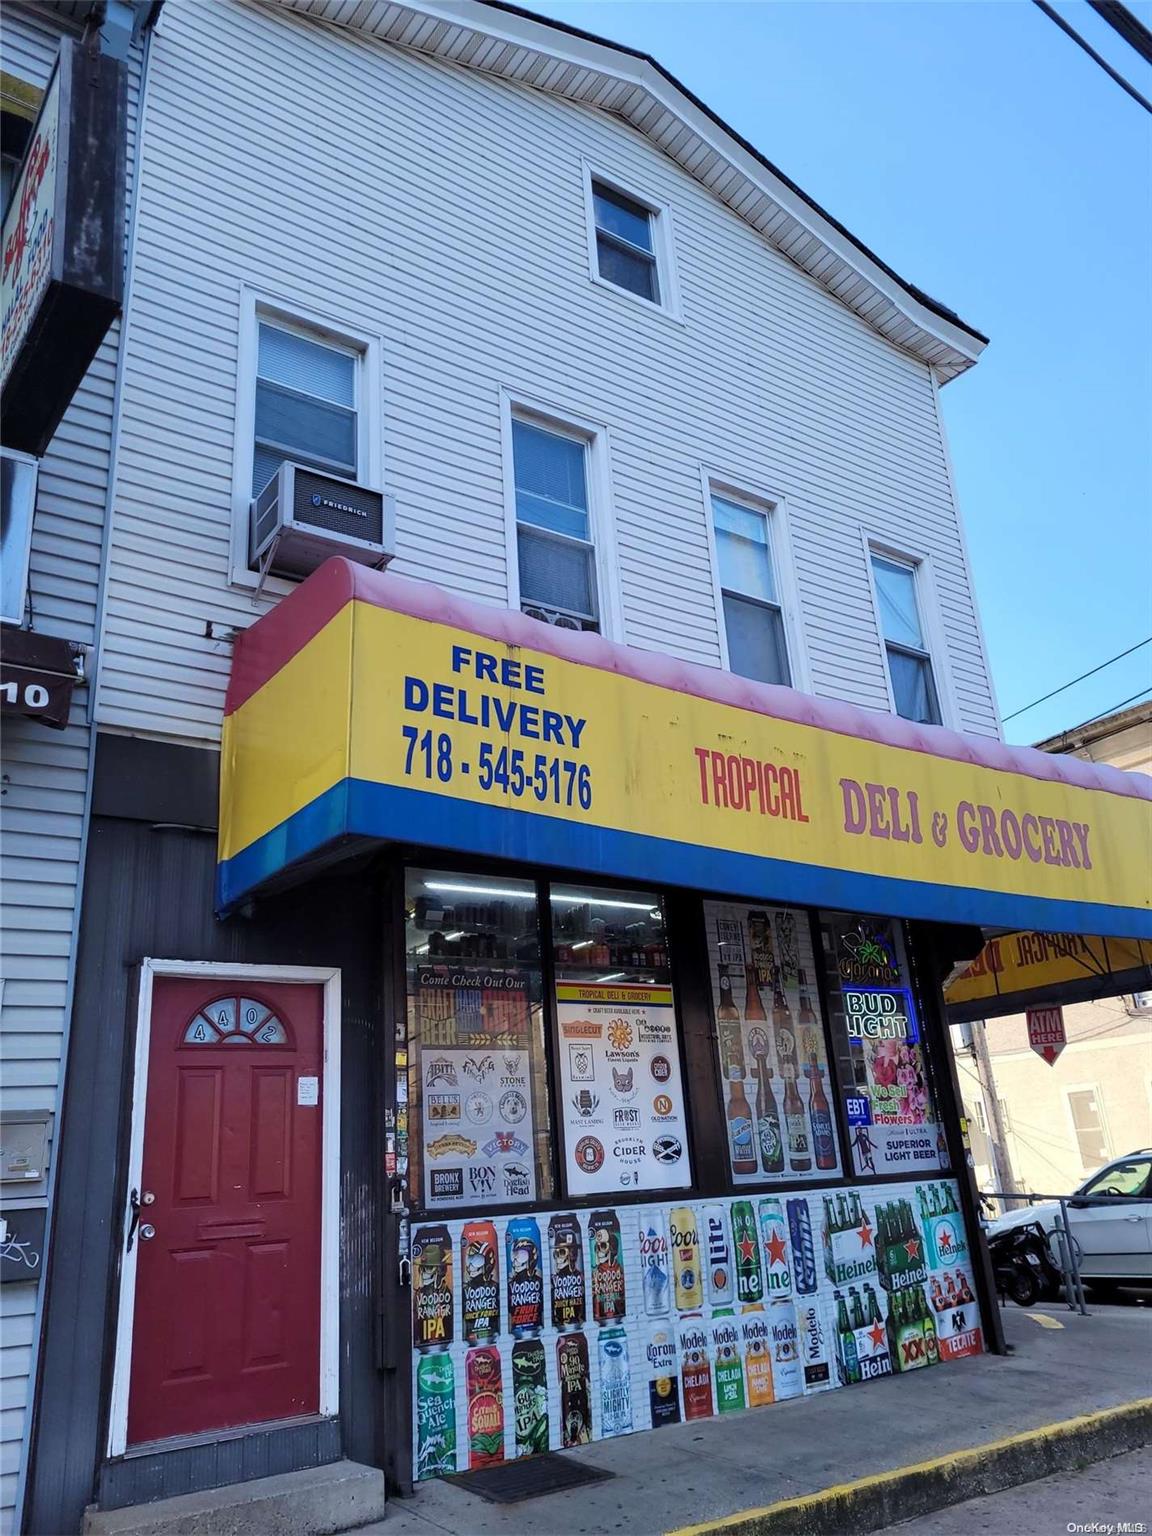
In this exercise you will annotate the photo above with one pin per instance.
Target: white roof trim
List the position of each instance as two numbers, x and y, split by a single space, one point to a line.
533 52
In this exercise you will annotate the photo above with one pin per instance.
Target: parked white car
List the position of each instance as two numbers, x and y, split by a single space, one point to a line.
1114 1241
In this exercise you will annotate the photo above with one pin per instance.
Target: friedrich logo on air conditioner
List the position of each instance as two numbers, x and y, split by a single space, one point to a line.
337 506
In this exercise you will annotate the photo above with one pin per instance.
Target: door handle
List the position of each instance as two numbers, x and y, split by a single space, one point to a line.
1133 1218
134 1220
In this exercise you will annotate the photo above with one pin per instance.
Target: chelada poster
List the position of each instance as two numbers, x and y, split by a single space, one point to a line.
888 1100
475 1085
624 1121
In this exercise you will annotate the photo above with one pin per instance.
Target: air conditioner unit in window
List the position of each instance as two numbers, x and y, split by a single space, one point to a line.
557 617
302 516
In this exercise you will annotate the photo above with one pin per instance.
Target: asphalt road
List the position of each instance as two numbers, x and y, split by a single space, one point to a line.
1096 1499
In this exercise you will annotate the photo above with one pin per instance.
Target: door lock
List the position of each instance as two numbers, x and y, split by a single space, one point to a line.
147 1231
147 1198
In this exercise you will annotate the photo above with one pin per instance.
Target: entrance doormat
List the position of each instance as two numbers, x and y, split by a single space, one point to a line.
529 1478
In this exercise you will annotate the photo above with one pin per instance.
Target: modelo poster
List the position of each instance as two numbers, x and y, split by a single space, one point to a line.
624 1122
773 1058
475 1084
888 1094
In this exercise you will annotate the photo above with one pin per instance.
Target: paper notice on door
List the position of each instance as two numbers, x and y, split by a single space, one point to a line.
307 1090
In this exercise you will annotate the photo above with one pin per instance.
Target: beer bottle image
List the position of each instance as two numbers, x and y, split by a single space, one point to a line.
615 1383
485 1406
717 1264
761 944
768 1136
479 1282
928 1325
729 1370
753 1003
525 1279
806 1018
774 1242
728 1026
803 1246
696 1370
688 1290
663 1375
741 1148
846 1355
757 1356
655 1264
784 921
435 1416
432 1287
569 1307
783 1031
823 1136
749 1279
855 1310
796 1123
783 1339
575 1393
530 1396
608 1300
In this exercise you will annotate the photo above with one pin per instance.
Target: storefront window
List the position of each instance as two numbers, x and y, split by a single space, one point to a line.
623 1114
477 1069
771 1042
879 1048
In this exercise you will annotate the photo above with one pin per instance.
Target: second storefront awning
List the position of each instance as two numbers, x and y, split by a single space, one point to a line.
367 706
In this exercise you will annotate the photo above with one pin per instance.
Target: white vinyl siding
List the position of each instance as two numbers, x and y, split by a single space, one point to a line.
467 252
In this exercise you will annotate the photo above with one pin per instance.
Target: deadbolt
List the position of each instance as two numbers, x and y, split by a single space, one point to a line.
147 1198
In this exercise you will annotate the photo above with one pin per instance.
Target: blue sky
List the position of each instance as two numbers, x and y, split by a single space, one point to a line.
982 154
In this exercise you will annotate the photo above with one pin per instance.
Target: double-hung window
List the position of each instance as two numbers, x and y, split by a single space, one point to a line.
306 404
753 620
625 242
556 556
909 662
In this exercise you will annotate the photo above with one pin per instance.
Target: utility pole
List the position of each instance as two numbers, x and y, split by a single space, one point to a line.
997 1134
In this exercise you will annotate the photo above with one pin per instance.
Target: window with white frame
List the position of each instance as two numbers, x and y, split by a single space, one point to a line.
626 242
901 623
753 618
1088 1123
307 403
555 550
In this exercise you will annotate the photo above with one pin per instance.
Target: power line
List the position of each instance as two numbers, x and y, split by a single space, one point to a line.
1130 27
1092 54
1065 686
1104 713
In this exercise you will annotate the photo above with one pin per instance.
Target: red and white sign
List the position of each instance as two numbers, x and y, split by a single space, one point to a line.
30 232
1046 1033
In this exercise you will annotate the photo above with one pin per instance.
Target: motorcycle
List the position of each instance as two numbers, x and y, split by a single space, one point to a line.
1022 1264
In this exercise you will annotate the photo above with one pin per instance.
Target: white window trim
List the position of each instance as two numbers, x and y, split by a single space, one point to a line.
329 980
23 556
601 519
1067 1090
928 608
773 507
663 243
257 305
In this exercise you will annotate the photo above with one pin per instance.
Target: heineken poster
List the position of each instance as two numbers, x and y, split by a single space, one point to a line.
547 1331
770 1037
623 1100
888 1101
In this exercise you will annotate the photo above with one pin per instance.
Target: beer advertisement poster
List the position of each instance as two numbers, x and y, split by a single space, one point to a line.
770 1037
623 1101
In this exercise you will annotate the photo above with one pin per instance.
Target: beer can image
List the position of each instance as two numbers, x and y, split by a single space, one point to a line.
728 1369
803 1247
435 1415
663 1375
608 1296
655 1264
784 1344
687 1287
566 1250
432 1287
749 1276
483 1377
575 1389
479 1282
615 1384
530 1396
525 1278
815 1361
757 1355
774 1244
695 1367
717 1260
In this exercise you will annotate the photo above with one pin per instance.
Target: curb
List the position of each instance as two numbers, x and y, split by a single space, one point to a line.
874 1503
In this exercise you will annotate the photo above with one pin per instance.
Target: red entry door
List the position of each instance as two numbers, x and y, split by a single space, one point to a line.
226 1328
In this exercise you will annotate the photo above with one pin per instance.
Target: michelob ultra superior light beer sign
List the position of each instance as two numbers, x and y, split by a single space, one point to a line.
367 706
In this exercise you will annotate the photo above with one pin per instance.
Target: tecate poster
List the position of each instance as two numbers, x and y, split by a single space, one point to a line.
544 1332
773 1058
623 1116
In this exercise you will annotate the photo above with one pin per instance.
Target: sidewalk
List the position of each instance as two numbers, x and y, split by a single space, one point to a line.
690 1473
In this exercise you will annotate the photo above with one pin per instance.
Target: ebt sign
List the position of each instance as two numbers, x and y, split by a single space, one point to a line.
875 1015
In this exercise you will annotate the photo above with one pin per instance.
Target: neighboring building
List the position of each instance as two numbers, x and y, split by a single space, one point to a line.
1061 1122
489 962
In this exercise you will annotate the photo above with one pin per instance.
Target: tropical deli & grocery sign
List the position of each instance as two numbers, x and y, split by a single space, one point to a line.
368 706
